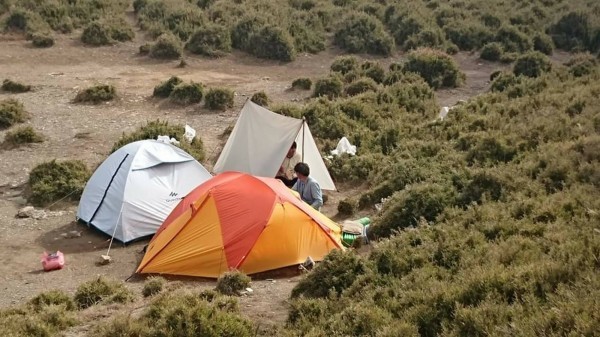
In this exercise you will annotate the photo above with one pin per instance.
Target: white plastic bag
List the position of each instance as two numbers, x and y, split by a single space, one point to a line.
164 139
189 134
444 112
344 146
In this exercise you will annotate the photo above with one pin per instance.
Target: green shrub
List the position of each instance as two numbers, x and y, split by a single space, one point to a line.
362 33
22 135
490 150
491 51
15 87
184 313
405 208
468 36
153 286
543 43
232 283
97 94
360 86
11 113
572 32
164 89
344 64
24 20
187 93
260 98
243 31
271 42
330 87
373 70
145 49
167 46
481 187
532 64
219 99
42 41
437 68
99 33
503 81
49 298
582 65
211 40
513 40
53 181
302 83
157 128
334 274
101 290
347 206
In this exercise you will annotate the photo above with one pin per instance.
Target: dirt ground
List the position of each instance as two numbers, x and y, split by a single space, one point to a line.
87 132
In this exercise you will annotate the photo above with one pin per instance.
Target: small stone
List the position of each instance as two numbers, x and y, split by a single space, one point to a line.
249 290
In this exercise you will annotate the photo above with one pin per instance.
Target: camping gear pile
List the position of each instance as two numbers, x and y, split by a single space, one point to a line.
242 218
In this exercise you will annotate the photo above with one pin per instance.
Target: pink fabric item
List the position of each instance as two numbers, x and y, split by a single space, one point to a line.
53 261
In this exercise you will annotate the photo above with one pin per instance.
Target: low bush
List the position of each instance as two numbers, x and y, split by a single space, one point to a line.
15 87
219 99
360 86
491 52
145 49
101 290
167 46
164 89
373 70
51 297
362 33
338 270
153 286
12 112
97 94
99 33
42 40
211 40
572 32
22 135
24 20
260 98
244 29
437 68
302 83
52 181
406 208
344 64
153 129
187 93
513 40
347 206
330 87
532 64
232 283
271 42
543 43
582 65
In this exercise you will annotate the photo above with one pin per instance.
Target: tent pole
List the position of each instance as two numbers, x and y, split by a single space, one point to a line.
303 123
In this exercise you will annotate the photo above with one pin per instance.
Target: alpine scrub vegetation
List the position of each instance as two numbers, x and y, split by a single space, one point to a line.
491 229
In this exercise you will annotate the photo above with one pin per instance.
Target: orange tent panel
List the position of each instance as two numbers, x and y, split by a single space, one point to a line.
239 221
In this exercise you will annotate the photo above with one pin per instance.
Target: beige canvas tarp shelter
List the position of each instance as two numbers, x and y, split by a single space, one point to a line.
260 140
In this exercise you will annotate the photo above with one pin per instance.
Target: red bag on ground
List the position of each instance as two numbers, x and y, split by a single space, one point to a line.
53 261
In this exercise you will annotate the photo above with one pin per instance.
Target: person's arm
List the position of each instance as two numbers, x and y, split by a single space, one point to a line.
317 196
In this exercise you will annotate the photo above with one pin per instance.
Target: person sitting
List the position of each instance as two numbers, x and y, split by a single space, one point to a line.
286 170
307 187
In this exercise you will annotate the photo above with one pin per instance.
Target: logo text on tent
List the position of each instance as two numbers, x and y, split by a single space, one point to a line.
173 194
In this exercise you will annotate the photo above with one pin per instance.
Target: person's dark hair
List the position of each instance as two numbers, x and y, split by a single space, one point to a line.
294 145
302 168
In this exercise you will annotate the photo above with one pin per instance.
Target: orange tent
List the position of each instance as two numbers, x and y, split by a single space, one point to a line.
238 221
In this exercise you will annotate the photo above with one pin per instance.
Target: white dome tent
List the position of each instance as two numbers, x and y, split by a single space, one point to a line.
134 190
